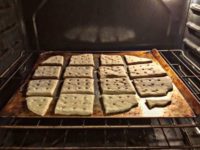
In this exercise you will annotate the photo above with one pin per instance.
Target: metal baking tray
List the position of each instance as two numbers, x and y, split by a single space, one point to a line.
183 104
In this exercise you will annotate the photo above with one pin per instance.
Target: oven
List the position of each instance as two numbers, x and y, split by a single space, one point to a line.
30 29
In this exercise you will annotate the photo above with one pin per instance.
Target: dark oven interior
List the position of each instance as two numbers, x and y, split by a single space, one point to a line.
28 28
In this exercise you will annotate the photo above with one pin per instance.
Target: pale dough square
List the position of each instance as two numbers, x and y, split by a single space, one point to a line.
136 60
47 72
146 70
75 104
43 87
117 86
54 60
111 60
79 72
38 105
157 102
82 60
119 103
78 86
159 86
112 71
160 101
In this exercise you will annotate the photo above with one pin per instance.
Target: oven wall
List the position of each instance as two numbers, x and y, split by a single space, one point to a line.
112 25
12 41
192 32
13 48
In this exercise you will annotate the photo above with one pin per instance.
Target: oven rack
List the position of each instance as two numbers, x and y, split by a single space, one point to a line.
96 123
187 71
173 133
118 133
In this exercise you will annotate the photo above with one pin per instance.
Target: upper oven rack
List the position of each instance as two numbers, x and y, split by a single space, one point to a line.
174 58
27 127
16 106
178 128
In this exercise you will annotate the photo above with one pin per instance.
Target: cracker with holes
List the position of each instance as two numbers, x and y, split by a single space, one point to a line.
130 60
78 86
75 104
159 86
112 71
38 105
82 60
42 87
146 70
47 72
79 72
117 86
111 60
54 60
119 103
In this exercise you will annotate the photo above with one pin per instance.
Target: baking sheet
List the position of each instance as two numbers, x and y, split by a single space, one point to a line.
179 107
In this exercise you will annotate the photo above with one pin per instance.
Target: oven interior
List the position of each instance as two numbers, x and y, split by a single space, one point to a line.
28 28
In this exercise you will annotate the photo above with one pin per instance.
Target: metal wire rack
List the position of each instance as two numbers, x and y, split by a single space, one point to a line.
118 133
187 71
99 133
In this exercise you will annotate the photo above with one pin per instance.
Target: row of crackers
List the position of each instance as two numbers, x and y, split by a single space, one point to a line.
76 96
149 79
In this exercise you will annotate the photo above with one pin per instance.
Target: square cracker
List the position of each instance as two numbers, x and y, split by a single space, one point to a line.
136 60
159 86
146 70
43 87
75 104
79 71
38 105
117 86
112 60
119 103
82 60
54 60
47 72
78 86
112 71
